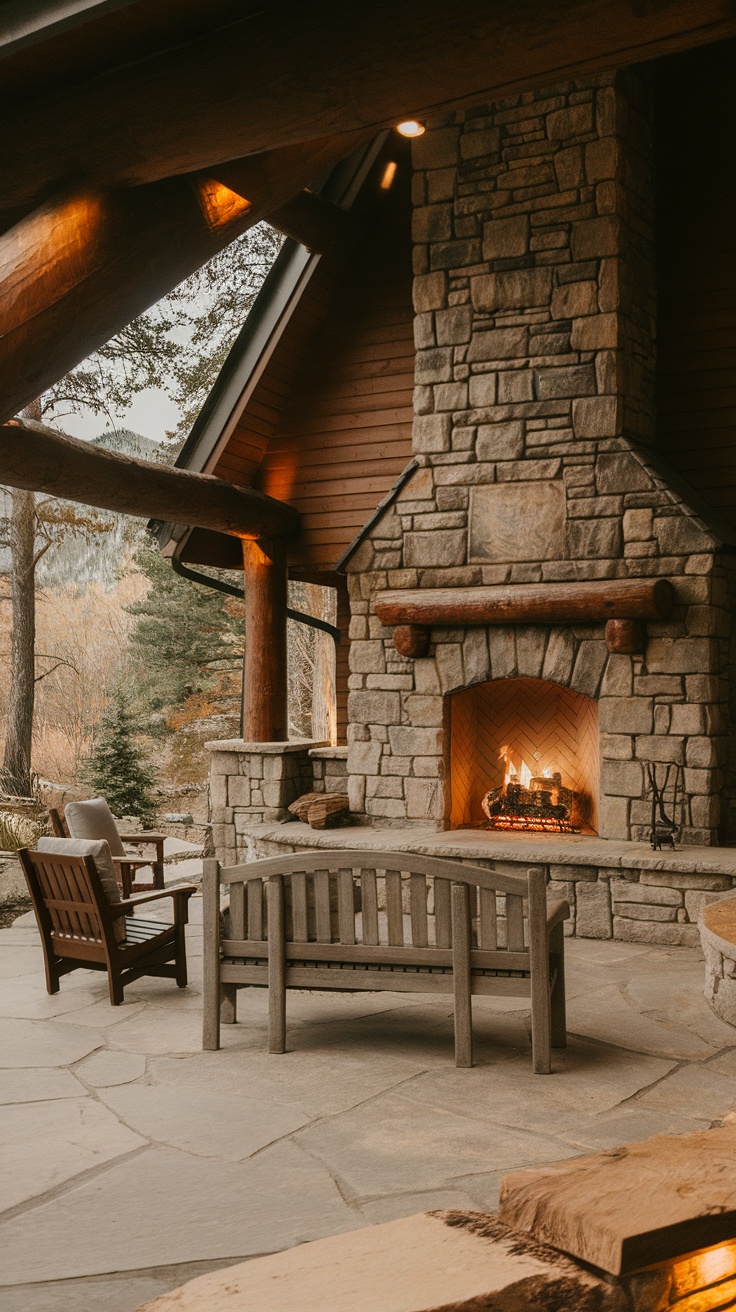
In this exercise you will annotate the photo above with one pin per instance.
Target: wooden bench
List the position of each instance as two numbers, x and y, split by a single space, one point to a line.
446 928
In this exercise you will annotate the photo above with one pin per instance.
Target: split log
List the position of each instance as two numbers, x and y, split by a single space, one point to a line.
328 811
83 266
300 808
529 603
243 86
36 457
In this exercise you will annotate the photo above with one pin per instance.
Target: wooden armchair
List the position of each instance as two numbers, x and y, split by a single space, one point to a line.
81 929
94 819
463 933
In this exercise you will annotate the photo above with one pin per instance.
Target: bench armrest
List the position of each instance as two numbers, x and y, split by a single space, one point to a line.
557 911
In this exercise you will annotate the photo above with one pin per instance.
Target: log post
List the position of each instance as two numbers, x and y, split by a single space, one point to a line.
265 703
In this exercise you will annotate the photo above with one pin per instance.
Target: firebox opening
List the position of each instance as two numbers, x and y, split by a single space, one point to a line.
523 755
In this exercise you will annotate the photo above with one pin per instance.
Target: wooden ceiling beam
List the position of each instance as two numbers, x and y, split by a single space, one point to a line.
315 222
277 78
79 268
36 457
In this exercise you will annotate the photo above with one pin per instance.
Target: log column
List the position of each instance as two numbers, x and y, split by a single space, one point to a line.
265 703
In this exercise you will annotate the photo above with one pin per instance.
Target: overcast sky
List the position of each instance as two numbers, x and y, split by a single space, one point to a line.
152 414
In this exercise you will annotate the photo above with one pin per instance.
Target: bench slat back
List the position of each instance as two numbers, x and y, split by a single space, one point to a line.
377 899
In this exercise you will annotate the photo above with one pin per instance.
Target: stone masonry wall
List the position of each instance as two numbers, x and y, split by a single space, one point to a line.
535 351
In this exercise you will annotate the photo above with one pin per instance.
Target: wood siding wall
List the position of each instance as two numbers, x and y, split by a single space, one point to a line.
345 433
696 319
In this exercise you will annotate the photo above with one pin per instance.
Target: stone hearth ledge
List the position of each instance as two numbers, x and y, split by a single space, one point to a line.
535 849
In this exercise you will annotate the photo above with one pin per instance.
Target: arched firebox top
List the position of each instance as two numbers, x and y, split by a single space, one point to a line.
530 748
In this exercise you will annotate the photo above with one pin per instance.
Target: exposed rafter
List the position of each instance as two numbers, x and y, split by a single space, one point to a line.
81 267
36 457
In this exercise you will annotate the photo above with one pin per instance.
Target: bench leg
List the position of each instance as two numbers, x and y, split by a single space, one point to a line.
559 1017
461 979
228 1004
276 966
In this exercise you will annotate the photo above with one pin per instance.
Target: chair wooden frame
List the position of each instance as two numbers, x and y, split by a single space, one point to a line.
76 924
125 866
293 925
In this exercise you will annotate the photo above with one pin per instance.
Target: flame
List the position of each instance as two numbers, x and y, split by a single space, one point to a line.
513 775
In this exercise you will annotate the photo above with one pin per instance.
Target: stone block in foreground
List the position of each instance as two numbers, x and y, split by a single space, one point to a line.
442 1260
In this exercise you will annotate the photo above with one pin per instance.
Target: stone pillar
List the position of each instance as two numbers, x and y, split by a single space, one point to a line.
252 784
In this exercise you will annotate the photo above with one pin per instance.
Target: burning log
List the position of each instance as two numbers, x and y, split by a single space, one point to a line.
543 803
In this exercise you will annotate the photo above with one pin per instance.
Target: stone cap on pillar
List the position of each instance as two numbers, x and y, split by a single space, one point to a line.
633 1207
264 749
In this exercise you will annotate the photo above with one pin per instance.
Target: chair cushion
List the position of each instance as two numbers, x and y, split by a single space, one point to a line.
94 819
99 850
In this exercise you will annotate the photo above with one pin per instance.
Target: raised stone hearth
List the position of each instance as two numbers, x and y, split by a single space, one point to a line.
620 890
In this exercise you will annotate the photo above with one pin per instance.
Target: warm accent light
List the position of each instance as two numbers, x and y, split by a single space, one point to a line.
389 173
411 127
710 1267
219 204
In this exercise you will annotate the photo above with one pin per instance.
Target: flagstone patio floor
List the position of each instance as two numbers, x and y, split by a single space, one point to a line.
131 1161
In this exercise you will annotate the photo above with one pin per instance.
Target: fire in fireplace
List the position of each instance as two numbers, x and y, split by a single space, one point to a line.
522 754
531 801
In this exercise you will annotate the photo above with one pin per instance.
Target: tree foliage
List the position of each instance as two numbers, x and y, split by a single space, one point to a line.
187 640
116 767
179 345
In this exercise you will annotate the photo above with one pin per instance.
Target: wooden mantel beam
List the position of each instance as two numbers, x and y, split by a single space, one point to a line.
619 603
36 457
80 267
279 77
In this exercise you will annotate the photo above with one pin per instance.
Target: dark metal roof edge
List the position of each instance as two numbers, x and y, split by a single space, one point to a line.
286 280
389 498
279 285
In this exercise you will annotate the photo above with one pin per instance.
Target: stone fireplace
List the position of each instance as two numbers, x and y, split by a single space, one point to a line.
540 595
532 742
534 296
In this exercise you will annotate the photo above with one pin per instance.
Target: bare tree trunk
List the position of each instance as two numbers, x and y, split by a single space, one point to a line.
322 602
16 770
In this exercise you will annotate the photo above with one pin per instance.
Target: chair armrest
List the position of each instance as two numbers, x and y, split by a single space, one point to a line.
143 838
181 894
557 911
131 860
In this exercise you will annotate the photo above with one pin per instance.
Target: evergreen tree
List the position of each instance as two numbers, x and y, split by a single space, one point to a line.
116 767
187 641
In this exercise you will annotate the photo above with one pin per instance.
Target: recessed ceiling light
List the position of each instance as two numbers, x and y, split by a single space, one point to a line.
411 127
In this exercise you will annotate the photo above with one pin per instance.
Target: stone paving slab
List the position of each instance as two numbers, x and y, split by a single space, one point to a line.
68 1136
138 1155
